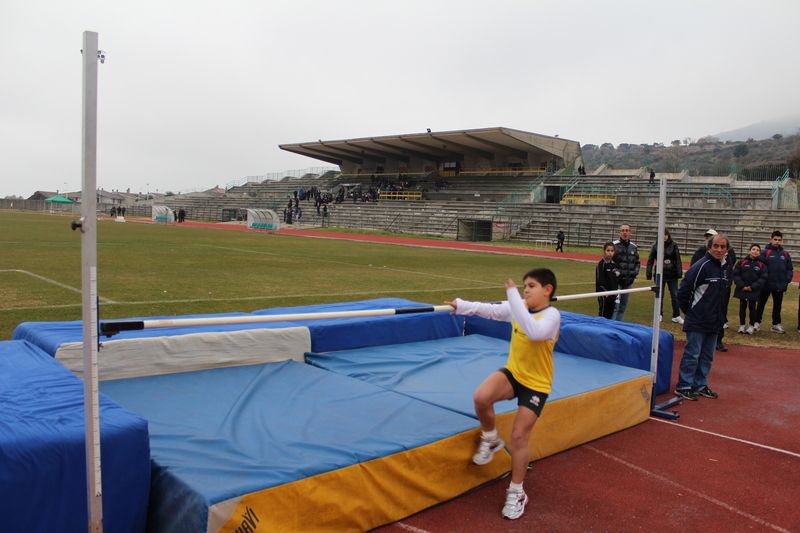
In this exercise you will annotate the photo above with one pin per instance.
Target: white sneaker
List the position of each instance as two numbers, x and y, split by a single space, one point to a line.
741 328
724 326
777 328
751 330
757 326
486 451
515 504
677 319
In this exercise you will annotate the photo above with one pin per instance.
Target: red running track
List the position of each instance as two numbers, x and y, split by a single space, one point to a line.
727 465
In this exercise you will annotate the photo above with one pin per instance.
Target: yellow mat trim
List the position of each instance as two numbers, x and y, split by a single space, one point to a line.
367 495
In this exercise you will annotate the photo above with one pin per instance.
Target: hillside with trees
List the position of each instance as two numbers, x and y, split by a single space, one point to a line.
704 156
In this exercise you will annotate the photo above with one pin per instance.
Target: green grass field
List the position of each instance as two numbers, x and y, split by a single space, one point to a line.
157 270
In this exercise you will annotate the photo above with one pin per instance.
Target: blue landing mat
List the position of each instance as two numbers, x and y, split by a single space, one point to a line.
445 372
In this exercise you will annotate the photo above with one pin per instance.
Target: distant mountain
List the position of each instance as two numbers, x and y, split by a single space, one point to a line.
762 130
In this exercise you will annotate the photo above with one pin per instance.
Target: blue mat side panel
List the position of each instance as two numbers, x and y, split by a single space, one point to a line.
42 450
49 336
326 335
621 343
349 333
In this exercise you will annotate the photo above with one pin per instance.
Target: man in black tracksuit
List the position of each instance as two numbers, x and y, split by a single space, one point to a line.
626 256
779 274
731 262
702 297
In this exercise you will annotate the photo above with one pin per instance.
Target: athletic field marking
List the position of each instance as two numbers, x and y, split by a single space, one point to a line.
690 491
304 258
729 438
491 283
57 283
411 528
245 298
522 252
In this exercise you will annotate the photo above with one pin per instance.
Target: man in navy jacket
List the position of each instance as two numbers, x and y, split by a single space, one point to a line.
779 274
702 297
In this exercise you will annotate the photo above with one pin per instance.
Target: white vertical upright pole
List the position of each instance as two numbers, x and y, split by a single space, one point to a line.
89 281
658 276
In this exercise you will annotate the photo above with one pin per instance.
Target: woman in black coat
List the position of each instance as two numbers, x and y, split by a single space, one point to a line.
749 276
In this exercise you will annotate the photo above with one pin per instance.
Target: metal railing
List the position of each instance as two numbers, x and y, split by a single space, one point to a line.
400 195
276 176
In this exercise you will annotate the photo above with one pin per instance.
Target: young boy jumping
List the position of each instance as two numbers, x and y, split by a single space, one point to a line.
528 375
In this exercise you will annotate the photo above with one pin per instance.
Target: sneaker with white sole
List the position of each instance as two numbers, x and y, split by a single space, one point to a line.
486 451
677 319
757 326
750 330
515 504
741 329
777 328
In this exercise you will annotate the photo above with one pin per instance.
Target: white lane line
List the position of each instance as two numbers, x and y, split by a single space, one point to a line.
56 283
411 528
248 298
787 452
690 491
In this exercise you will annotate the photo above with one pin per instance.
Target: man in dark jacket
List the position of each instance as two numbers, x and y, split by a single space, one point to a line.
560 240
672 272
626 256
702 299
779 274
731 262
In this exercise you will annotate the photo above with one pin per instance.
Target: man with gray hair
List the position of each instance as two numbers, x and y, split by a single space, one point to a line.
702 297
700 253
626 256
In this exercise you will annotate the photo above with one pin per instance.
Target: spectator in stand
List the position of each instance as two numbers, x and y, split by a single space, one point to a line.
749 276
627 257
673 271
606 279
652 176
779 274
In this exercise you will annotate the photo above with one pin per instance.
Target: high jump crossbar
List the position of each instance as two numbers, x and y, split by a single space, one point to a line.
109 328
580 296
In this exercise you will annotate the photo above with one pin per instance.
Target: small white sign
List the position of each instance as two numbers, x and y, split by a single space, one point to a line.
711 201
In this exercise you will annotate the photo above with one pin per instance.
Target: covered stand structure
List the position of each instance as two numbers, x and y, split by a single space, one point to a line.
479 150
263 220
162 213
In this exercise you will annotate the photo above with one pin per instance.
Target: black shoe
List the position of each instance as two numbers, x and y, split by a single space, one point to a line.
706 392
686 394
721 347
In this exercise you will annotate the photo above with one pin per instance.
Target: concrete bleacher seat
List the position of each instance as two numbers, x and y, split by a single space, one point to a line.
741 210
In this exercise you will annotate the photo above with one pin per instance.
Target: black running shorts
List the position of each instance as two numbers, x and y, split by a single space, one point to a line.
533 400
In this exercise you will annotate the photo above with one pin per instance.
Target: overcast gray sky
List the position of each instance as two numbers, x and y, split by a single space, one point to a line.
201 93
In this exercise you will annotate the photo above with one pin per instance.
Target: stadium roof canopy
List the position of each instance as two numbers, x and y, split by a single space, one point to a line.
489 147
